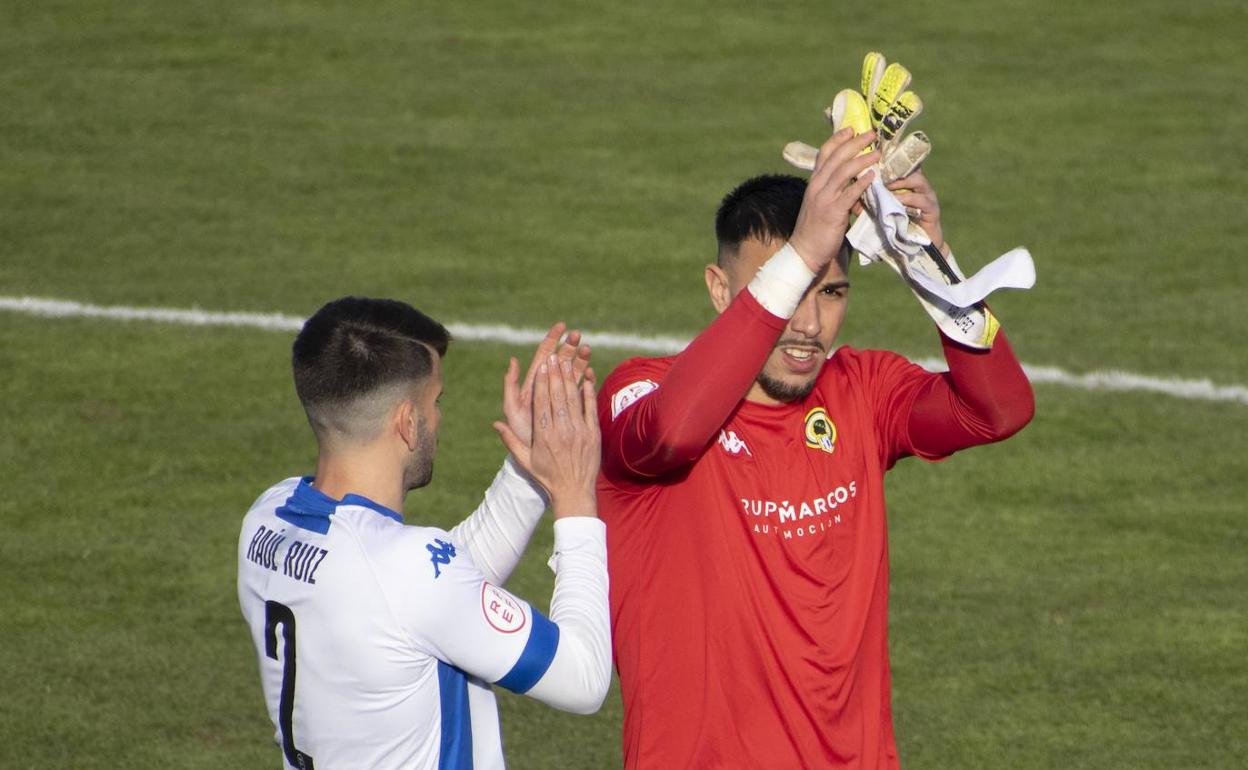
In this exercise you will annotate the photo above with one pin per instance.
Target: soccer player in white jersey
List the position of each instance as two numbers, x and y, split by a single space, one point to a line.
377 641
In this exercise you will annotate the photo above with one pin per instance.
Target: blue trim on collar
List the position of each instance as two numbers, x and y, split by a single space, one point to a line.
310 508
364 502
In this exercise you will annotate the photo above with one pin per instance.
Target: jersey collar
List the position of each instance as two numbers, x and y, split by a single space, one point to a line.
310 508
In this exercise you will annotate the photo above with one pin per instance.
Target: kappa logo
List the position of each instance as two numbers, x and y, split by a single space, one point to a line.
732 444
820 431
442 553
504 612
631 394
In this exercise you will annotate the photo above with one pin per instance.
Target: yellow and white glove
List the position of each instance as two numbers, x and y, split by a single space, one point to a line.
885 105
886 234
892 106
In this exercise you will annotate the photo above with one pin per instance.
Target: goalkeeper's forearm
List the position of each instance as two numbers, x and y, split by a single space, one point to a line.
984 397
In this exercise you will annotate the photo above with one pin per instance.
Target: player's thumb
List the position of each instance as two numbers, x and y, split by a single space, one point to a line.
513 443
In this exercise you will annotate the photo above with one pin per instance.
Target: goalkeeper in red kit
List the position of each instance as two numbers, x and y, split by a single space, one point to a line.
742 485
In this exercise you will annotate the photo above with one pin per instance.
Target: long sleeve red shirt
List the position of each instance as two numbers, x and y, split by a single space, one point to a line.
748 543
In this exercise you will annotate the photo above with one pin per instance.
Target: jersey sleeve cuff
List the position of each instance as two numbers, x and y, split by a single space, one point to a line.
781 282
579 534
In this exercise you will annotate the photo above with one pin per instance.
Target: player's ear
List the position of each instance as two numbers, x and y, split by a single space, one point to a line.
405 419
717 287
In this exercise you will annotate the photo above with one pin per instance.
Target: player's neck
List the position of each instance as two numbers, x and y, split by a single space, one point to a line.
359 473
756 395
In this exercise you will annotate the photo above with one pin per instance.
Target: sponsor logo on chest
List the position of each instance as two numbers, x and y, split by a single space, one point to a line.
809 513
789 519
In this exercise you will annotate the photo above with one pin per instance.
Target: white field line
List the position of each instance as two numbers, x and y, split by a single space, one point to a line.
1202 390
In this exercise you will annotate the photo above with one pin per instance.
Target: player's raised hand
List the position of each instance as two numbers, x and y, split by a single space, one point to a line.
567 444
518 399
916 193
842 173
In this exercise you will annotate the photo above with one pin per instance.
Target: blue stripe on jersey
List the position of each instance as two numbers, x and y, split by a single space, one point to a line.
456 752
538 652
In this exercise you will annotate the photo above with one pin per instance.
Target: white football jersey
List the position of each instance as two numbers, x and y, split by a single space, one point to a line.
376 641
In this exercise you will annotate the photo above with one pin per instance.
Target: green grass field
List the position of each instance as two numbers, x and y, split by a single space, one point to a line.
1074 598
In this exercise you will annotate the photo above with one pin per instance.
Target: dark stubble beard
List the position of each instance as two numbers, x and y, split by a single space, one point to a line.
785 392
419 470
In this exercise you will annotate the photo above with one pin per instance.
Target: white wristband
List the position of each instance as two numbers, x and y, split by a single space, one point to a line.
781 282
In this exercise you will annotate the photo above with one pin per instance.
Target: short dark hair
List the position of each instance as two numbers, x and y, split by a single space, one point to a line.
354 346
764 207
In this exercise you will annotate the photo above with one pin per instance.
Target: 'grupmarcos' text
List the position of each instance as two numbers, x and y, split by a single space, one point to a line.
803 518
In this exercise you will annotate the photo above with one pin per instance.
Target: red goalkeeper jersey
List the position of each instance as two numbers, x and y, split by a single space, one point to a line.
749 553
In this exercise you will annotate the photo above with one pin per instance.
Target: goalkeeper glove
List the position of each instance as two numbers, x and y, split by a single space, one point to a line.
892 107
885 105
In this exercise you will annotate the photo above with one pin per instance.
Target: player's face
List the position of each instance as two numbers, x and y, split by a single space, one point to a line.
428 414
794 364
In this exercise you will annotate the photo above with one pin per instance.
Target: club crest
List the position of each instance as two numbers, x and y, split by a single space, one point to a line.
820 430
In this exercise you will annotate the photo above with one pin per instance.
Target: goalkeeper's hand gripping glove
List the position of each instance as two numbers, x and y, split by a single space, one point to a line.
885 105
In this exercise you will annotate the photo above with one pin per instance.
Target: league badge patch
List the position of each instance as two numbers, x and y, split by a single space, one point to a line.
503 612
631 394
820 430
